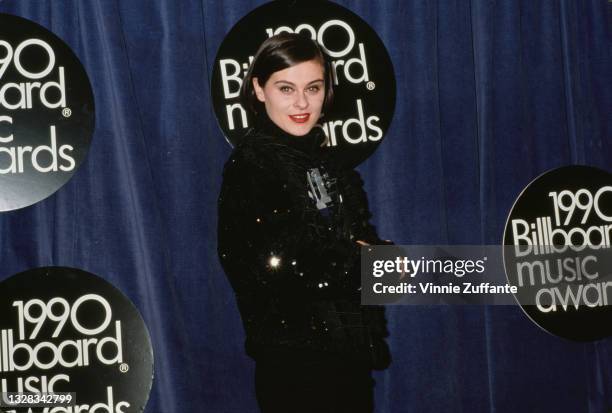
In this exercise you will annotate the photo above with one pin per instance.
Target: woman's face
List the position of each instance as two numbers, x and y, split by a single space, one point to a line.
294 96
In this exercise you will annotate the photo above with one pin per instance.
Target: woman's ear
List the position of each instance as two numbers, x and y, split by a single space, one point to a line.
258 90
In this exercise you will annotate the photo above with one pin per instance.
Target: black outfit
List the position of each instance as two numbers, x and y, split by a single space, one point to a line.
288 225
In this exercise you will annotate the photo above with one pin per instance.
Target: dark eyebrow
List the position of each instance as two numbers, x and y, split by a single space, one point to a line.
293 84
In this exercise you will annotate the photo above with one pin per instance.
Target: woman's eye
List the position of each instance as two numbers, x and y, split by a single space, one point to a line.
286 89
314 89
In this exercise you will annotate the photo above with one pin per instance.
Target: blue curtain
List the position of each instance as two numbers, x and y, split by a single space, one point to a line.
490 95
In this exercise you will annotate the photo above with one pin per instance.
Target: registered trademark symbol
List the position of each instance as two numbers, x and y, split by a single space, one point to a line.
67 112
370 85
123 368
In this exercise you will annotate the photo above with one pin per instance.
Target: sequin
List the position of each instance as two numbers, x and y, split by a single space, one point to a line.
274 262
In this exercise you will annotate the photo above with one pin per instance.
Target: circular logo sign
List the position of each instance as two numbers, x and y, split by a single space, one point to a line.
65 332
557 252
46 113
364 81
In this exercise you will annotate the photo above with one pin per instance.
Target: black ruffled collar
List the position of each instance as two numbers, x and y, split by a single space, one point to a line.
309 143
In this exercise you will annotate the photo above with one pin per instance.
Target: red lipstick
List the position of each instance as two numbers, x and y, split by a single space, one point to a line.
300 118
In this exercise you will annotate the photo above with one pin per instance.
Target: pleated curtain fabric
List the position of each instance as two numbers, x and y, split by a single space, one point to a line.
490 94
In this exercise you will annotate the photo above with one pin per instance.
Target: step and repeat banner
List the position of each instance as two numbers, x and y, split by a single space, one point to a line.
46 113
69 341
72 342
555 263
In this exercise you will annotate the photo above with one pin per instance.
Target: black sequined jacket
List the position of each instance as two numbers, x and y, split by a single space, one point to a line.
288 225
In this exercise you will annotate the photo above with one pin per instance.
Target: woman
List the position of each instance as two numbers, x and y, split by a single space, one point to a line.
290 230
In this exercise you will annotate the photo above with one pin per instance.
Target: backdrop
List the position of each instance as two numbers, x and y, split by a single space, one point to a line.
490 94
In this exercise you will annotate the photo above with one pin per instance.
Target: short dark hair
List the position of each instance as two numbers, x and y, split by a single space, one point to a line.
280 52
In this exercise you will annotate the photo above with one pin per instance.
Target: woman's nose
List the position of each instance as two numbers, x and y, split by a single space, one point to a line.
301 101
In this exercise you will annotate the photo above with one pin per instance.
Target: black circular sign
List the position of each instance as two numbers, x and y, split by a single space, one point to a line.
63 330
46 113
364 81
558 254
